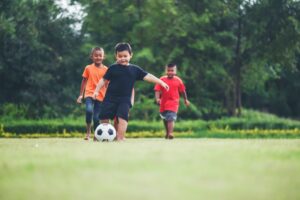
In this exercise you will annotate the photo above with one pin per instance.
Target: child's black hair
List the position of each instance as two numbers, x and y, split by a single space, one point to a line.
96 49
123 47
170 65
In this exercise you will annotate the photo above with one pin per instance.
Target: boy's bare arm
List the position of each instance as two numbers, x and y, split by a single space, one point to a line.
157 97
132 96
82 87
100 84
150 78
186 101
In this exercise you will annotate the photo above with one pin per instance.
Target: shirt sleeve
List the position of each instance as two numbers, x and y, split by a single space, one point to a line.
181 87
157 87
86 73
108 74
140 73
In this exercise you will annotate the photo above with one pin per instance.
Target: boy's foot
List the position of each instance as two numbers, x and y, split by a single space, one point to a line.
95 139
120 139
169 137
87 136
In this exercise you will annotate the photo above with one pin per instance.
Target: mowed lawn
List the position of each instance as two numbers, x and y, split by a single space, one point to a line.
150 169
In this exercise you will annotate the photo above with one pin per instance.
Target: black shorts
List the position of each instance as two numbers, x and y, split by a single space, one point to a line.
110 110
168 115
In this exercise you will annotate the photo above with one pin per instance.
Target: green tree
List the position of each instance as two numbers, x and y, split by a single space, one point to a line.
267 41
38 53
229 53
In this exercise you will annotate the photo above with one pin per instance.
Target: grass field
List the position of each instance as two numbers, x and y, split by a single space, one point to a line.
150 169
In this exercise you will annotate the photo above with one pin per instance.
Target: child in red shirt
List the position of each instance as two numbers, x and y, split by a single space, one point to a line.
90 77
169 100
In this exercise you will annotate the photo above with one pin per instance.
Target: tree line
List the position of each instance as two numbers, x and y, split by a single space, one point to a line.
231 54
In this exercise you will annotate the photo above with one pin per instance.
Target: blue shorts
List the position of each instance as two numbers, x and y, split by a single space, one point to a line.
168 115
110 110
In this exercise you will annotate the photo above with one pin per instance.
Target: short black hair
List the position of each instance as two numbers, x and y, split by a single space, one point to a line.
96 49
170 65
123 46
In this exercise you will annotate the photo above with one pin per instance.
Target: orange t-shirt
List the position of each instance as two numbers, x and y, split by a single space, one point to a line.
93 75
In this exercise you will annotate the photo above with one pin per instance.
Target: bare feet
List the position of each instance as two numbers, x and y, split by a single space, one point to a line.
120 139
95 139
167 136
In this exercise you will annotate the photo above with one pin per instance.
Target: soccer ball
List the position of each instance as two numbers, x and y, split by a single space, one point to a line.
105 132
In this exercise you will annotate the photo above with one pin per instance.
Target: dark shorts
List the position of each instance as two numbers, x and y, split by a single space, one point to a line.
92 111
168 115
110 110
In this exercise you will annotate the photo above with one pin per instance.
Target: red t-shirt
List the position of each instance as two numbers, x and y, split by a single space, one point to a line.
170 99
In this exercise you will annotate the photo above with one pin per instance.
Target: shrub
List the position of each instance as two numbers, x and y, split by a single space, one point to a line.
9 111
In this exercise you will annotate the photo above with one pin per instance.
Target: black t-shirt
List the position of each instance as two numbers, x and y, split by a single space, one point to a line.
121 81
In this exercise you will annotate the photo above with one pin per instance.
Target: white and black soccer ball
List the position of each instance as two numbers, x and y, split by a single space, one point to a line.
105 132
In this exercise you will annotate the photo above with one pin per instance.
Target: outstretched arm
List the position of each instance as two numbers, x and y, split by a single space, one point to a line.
132 96
150 78
82 87
100 84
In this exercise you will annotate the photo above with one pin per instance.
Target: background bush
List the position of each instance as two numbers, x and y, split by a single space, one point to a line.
248 121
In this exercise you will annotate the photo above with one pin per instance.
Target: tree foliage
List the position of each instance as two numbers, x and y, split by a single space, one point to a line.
39 53
230 54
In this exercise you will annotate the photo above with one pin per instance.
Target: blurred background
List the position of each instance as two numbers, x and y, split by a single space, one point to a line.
231 54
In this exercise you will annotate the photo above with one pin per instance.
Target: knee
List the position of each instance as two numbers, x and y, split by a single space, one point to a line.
89 110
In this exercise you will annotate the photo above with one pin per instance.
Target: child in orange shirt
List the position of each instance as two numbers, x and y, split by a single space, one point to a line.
91 76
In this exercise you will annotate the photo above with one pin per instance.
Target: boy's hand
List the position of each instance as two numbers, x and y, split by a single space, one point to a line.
186 102
95 95
79 99
164 85
158 101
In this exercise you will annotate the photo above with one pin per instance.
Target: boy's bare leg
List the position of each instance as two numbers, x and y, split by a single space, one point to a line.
122 127
116 124
170 125
88 131
166 128
104 121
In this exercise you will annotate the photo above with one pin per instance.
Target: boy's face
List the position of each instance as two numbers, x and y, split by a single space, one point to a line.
171 71
98 57
123 57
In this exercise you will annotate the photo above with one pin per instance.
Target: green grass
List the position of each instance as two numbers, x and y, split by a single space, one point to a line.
150 169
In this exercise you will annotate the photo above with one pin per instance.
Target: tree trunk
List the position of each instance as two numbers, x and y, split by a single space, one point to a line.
237 67
230 97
